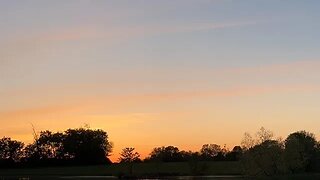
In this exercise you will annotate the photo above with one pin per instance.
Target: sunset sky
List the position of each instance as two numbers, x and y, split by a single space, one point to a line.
166 72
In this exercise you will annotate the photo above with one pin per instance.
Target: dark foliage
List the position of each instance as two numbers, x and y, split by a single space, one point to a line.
129 155
10 151
235 154
264 159
300 152
165 154
86 145
72 147
208 152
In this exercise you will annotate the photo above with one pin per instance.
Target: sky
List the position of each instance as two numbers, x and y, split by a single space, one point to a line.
155 73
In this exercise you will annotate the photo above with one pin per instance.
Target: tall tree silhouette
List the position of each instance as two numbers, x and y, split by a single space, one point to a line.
129 155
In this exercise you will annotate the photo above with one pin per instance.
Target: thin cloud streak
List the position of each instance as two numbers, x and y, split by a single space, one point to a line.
121 33
123 101
94 32
79 93
22 45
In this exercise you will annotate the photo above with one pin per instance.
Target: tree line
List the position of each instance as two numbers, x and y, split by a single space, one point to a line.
208 152
71 147
267 156
261 154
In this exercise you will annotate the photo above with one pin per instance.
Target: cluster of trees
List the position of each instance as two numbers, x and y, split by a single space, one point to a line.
264 155
208 152
258 155
73 146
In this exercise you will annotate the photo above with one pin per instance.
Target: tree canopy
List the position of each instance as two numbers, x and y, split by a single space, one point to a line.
73 146
128 154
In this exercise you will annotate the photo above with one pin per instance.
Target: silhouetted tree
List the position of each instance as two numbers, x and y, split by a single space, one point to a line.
210 151
80 146
31 154
51 145
235 154
165 154
264 159
260 136
263 135
86 145
300 151
190 156
247 141
10 150
129 155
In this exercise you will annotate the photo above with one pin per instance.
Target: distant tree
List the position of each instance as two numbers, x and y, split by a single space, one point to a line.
210 151
264 159
87 146
80 146
47 146
10 150
193 159
51 145
165 154
31 154
221 156
129 155
247 141
262 135
235 154
237 149
300 151
190 156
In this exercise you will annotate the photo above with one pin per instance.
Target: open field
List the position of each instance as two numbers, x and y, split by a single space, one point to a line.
139 169
177 170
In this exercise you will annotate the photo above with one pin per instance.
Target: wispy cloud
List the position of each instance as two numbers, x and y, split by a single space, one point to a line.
195 27
32 42
121 33
88 105
106 32
86 100
243 81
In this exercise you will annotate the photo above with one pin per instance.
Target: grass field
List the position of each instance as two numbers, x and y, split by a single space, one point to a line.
178 170
139 169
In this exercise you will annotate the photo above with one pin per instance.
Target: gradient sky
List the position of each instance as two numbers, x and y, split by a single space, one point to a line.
153 73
